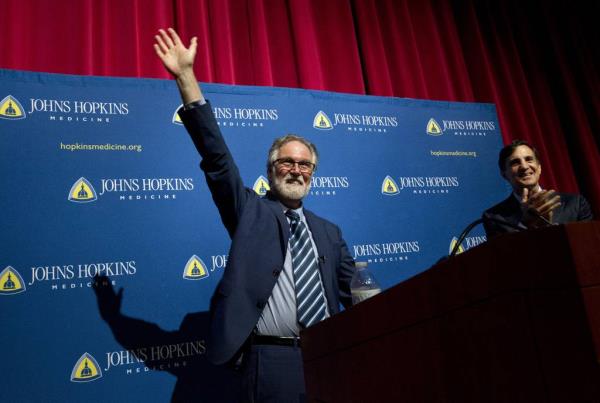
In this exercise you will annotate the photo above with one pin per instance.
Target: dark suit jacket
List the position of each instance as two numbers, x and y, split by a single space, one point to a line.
259 231
573 207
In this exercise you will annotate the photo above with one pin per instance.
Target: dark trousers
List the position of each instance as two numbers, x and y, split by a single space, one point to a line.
273 374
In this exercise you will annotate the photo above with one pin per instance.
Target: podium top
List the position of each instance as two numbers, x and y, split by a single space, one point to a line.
551 258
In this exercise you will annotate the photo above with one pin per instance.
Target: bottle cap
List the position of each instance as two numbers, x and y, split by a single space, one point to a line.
360 265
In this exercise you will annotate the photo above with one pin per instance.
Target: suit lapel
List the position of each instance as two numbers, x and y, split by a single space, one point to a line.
513 209
284 226
319 235
560 215
317 231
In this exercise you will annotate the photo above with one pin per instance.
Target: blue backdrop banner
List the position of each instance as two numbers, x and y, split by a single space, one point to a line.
99 177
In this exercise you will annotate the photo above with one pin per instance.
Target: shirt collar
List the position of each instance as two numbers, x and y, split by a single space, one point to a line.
299 210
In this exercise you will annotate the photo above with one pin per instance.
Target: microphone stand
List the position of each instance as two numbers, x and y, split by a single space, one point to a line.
463 235
466 231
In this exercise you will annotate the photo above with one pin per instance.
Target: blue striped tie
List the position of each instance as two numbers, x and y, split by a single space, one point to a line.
310 301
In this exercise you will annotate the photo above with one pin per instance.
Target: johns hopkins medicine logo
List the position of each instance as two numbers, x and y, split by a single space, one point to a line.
433 128
261 186
389 187
195 269
468 243
460 127
237 116
386 252
453 243
86 369
82 191
11 282
354 122
63 110
11 109
130 189
176 119
419 185
322 121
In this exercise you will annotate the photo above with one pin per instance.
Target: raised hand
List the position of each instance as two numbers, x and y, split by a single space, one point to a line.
176 58
179 61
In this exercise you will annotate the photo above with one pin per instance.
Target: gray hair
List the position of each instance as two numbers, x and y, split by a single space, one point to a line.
281 141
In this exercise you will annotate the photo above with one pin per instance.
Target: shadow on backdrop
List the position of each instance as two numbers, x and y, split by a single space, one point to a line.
197 380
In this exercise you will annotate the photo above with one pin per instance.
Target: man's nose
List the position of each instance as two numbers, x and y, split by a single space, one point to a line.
296 169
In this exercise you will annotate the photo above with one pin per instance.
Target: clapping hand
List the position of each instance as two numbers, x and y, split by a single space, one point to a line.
538 207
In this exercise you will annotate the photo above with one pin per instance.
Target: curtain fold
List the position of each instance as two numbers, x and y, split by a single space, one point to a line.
537 61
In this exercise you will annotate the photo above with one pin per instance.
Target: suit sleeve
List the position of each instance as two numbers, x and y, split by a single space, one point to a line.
345 271
492 227
221 172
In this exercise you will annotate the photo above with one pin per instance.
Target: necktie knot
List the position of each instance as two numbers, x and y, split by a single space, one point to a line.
292 215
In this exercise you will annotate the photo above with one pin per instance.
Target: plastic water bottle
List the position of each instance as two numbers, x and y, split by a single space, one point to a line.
363 285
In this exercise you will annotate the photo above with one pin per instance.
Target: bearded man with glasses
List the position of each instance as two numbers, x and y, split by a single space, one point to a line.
287 268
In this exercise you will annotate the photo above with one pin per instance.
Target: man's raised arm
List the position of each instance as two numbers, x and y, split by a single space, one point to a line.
222 175
179 61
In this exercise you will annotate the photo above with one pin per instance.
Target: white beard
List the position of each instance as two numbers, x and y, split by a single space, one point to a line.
291 187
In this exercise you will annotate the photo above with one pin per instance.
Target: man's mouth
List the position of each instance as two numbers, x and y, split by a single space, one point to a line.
293 181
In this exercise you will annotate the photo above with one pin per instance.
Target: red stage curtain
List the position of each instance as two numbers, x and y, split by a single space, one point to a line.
536 60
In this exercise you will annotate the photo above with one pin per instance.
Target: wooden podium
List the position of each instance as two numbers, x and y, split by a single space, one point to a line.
516 319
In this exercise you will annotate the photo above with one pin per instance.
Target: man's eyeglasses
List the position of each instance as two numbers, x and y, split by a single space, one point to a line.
288 164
